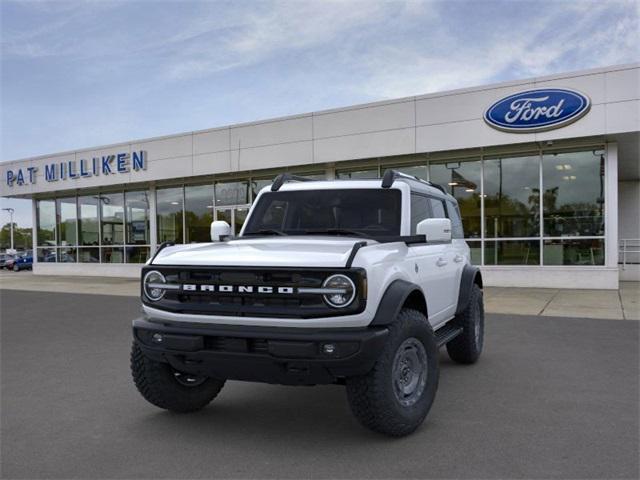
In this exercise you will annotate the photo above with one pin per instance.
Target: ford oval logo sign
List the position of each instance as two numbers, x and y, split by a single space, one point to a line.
537 110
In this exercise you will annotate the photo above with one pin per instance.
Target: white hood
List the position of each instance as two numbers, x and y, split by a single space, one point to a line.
289 251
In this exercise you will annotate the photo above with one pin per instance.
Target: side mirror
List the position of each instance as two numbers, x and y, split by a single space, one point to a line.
436 229
220 230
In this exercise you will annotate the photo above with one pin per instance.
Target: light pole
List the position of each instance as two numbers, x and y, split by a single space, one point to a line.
10 210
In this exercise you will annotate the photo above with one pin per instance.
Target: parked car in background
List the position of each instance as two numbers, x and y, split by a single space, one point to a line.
23 261
4 258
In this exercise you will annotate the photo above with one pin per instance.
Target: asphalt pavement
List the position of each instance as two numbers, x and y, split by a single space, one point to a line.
550 398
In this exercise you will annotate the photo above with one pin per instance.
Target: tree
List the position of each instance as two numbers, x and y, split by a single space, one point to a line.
22 237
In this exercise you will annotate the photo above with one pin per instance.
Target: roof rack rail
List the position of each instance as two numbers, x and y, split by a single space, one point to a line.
287 177
390 175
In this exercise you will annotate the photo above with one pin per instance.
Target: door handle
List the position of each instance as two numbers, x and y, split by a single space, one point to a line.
441 262
458 258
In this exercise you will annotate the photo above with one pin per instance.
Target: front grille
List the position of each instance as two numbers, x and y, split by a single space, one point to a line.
254 304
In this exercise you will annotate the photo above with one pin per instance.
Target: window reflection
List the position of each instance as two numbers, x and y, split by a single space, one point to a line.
137 218
112 218
420 171
363 174
169 208
512 197
112 254
574 252
232 193
573 198
88 220
46 255
198 212
46 218
66 255
67 220
462 180
512 252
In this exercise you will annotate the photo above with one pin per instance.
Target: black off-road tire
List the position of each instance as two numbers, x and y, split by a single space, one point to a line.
467 347
373 398
157 383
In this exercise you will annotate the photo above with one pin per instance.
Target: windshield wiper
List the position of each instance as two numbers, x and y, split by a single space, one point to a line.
267 231
339 231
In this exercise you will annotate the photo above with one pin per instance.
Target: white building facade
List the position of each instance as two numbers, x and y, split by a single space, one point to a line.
546 172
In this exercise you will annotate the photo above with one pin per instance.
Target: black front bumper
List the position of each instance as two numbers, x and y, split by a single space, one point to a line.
289 356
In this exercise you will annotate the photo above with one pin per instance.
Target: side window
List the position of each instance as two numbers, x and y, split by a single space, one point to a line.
419 210
437 207
456 221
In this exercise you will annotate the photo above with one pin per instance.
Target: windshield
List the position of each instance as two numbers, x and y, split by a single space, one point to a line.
357 212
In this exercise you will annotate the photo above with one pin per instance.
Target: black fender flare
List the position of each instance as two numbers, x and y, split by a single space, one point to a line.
394 299
470 275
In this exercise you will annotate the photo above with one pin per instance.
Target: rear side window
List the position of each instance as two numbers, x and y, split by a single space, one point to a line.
419 210
456 220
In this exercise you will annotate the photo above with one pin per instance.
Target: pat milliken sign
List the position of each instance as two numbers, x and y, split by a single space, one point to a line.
105 165
537 110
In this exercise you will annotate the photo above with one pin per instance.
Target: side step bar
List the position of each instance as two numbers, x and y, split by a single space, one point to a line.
447 333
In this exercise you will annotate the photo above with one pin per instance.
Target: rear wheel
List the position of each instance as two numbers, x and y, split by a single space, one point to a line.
396 395
165 387
467 347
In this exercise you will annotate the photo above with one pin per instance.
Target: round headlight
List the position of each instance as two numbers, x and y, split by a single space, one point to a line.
151 289
343 291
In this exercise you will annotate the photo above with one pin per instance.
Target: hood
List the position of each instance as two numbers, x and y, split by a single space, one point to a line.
290 251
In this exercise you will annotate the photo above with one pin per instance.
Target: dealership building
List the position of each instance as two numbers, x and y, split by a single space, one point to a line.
546 172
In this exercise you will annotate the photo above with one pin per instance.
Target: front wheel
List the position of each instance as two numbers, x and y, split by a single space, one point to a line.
167 388
16 268
396 395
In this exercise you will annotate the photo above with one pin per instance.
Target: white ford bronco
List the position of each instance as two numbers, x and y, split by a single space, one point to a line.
352 282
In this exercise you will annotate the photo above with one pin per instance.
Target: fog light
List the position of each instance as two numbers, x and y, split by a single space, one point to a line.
329 348
157 338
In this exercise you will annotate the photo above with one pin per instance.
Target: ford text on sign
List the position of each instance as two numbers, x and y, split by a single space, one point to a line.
537 110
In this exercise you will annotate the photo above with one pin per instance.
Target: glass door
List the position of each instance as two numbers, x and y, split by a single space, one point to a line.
240 215
234 216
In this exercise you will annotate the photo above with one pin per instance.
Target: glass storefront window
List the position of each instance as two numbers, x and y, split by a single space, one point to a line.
420 171
89 255
512 252
475 248
573 198
512 197
46 218
574 251
67 221
258 184
46 254
225 215
169 208
232 193
137 254
137 218
362 174
240 218
66 255
112 218
112 254
198 212
462 179
88 220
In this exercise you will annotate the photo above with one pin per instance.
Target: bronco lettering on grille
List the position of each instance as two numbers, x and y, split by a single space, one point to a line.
191 287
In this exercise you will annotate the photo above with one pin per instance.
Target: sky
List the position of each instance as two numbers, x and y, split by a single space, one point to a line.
87 73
